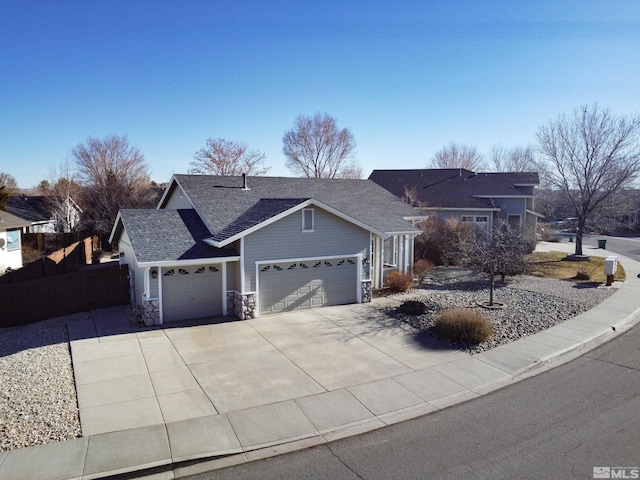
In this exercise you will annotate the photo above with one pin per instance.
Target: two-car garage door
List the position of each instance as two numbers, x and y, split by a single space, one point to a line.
191 292
305 284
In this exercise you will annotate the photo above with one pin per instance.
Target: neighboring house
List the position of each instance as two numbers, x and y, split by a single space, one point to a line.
44 215
477 198
249 246
10 245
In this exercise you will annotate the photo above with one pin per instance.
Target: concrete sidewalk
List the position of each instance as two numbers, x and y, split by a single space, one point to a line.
178 401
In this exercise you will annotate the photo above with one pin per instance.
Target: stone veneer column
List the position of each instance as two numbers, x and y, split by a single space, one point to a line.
151 311
244 305
366 291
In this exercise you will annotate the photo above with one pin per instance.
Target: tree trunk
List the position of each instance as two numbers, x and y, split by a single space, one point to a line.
491 285
579 233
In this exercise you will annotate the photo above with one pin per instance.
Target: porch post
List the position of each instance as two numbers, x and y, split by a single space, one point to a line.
224 289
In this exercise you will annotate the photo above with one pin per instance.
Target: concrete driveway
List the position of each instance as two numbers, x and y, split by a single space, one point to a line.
137 379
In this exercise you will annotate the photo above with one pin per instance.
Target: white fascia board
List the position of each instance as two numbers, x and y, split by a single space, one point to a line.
190 263
412 233
416 218
526 184
288 212
115 226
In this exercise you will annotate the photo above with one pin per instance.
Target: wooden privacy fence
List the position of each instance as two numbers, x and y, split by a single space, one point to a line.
65 260
55 241
34 300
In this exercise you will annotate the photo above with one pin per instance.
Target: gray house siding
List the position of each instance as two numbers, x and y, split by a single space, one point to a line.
233 276
285 239
511 206
177 200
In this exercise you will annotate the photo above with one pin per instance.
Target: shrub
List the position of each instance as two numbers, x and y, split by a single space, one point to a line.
421 269
413 307
440 240
463 326
399 282
582 275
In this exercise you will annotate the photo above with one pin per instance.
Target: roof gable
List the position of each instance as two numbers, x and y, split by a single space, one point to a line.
268 211
228 209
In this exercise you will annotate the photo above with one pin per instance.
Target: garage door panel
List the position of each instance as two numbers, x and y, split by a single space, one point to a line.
290 286
192 292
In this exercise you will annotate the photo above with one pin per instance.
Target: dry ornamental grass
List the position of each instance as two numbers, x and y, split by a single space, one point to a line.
463 325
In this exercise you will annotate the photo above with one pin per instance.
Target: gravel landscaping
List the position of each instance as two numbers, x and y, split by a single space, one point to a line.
531 304
37 391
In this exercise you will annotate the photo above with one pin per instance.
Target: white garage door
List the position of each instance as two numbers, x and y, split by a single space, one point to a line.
289 286
191 292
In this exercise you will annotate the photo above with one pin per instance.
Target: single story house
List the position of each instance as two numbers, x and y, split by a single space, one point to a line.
478 198
10 244
223 245
41 214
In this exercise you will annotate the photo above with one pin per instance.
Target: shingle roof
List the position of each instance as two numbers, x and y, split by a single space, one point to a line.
169 235
455 188
8 221
227 208
31 208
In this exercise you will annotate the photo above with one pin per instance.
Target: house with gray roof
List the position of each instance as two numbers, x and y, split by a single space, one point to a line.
478 198
232 245
44 214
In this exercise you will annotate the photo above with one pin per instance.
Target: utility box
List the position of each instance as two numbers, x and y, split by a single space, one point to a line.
610 265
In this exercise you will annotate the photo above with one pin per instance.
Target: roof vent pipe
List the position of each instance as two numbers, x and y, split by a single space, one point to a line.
244 182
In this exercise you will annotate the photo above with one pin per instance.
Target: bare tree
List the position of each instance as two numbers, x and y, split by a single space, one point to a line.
589 156
8 188
352 172
458 156
113 175
316 147
516 159
226 157
62 191
502 252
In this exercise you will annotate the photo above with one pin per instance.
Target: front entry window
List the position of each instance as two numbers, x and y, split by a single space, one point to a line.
391 251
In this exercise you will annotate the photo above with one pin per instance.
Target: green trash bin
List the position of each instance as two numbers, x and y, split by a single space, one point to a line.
602 244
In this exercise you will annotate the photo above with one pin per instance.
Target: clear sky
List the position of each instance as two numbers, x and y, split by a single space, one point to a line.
406 77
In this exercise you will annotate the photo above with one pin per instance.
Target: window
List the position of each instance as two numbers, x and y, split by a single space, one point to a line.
476 219
13 240
391 251
308 220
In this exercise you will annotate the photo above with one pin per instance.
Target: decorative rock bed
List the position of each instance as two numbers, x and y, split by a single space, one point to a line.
531 304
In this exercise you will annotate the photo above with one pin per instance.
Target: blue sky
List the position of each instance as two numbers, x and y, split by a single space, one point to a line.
405 77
